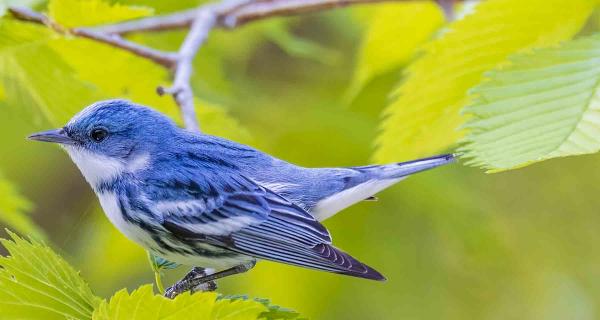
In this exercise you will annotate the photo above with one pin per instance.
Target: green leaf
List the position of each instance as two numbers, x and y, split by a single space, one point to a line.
122 74
215 120
116 73
545 104
35 77
36 283
279 32
143 304
238 309
273 311
13 208
424 115
394 33
77 13
106 257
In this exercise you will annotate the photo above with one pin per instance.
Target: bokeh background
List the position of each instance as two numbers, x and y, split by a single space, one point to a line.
455 242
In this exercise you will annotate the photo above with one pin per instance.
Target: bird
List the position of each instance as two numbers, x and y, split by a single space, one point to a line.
211 203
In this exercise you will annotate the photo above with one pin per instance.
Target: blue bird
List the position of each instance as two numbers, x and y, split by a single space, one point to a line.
200 200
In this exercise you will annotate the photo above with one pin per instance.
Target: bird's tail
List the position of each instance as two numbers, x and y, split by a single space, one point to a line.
344 263
370 181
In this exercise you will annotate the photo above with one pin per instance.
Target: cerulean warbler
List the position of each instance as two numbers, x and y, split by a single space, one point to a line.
200 200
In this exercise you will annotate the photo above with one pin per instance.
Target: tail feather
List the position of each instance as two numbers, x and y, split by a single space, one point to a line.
346 264
371 180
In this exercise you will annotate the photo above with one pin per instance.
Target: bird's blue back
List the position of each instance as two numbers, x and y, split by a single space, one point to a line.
200 154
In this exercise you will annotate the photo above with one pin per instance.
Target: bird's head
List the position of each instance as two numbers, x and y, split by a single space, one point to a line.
111 137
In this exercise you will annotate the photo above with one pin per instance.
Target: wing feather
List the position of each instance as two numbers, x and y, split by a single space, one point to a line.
252 220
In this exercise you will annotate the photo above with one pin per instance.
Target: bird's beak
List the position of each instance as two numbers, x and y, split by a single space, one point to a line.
55 135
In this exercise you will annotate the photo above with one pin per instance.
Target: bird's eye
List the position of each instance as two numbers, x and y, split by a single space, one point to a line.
98 134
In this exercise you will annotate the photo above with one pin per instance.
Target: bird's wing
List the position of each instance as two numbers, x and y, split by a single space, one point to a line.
255 221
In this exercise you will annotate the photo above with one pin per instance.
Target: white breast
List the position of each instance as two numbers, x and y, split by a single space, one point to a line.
342 200
110 205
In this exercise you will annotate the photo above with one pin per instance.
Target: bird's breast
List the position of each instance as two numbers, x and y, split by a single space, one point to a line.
112 208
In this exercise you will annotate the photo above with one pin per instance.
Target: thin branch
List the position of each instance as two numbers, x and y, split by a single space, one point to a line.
23 13
448 8
265 9
201 21
205 20
166 59
177 20
252 11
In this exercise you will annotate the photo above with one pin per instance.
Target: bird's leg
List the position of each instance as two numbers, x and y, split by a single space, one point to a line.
183 284
187 284
205 286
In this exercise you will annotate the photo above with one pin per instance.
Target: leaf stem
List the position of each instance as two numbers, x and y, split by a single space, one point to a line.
157 273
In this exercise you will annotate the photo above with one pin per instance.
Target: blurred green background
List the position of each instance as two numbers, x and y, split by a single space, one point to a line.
455 243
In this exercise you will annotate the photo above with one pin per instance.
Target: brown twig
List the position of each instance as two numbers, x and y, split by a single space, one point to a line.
166 59
266 9
448 8
254 10
201 21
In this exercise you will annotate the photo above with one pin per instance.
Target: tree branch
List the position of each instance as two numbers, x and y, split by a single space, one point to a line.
266 9
204 21
177 20
448 8
201 21
252 11
166 59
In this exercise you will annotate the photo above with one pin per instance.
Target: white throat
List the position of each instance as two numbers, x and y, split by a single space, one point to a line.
97 168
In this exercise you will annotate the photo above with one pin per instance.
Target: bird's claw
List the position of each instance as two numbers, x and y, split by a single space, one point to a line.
205 287
191 282
180 288
171 292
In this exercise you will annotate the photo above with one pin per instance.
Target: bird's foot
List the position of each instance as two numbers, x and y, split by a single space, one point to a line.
199 279
191 282
181 287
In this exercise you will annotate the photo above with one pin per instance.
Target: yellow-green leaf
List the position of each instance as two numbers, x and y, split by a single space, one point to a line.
393 35
78 13
279 32
36 283
545 104
13 208
37 78
143 304
117 73
121 258
238 309
215 120
424 116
